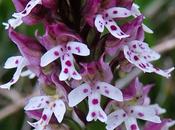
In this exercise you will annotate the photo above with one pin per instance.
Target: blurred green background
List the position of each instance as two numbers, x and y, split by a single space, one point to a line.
160 17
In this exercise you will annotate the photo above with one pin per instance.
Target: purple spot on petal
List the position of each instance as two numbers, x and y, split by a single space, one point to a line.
136 58
65 70
133 127
56 53
140 114
107 91
74 73
134 46
93 114
78 49
17 61
115 12
124 115
68 63
44 117
85 90
69 48
106 15
113 27
95 101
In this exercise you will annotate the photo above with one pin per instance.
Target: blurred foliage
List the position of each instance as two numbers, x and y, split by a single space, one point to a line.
160 17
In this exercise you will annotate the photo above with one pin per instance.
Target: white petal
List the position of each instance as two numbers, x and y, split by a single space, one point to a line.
28 73
78 48
14 22
6 25
118 12
78 94
109 91
115 119
158 109
165 73
147 29
141 56
131 124
95 110
36 103
114 29
46 116
137 60
30 5
99 23
17 17
68 69
135 10
50 56
145 113
143 50
13 62
16 75
59 110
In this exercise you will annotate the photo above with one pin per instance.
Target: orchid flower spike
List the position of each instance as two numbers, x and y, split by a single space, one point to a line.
50 106
17 17
139 54
136 12
18 62
65 53
107 20
94 94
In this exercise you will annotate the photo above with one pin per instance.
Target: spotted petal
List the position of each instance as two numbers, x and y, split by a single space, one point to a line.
13 62
95 110
36 103
109 91
42 124
68 68
115 119
99 23
145 113
16 75
17 17
165 73
131 124
143 50
78 48
137 60
31 4
46 116
114 29
59 110
50 56
118 12
78 94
